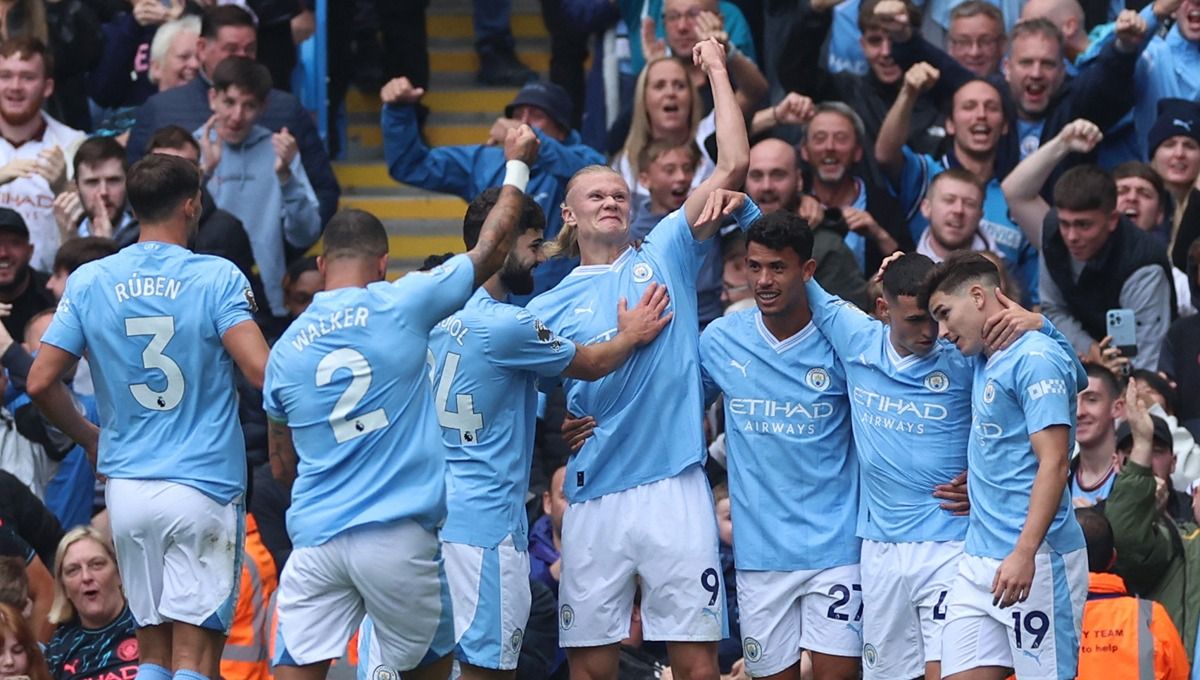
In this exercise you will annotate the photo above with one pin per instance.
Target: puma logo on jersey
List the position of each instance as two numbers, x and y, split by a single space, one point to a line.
741 367
584 310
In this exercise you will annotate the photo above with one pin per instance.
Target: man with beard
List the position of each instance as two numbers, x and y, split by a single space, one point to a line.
98 208
953 208
774 181
35 149
485 362
832 144
976 124
21 286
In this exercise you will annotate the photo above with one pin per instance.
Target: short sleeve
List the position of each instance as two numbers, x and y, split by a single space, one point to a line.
1045 389
66 328
671 243
428 297
914 182
520 341
272 403
234 301
707 358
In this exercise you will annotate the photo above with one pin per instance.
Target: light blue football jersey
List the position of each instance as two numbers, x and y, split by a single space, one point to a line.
350 377
648 412
1017 392
488 359
1002 234
911 424
793 474
151 319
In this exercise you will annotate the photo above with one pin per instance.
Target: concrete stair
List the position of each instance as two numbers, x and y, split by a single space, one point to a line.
419 222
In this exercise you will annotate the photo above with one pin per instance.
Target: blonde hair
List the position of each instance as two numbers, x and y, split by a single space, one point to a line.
640 133
62 610
566 243
14 624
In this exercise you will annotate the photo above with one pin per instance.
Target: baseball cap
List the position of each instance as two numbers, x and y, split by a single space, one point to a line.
11 220
548 97
1176 118
1162 433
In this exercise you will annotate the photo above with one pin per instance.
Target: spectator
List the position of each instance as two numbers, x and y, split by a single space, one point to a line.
174 55
976 124
246 655
35 149
1169 501
257 174
1158 393
21 285
545 536
976 37
666 108
1143 198
25 583
71 256
229 30
1115 623
95 636
1093 258
953 208
1092 472
28 518
1067 15
869 95
220 232
833 146
687 22
467 170
1037 92
735 282
21 654
98 208
774 182
1158 557
1174 145
1179 359
122 79
302 281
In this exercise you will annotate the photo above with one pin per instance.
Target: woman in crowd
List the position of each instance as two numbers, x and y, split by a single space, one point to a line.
95 636
20 654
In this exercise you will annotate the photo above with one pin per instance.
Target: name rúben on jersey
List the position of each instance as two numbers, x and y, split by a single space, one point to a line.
147 286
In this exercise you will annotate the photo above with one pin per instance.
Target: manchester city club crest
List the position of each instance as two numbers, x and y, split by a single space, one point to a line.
818 379
989 392
870 655
515 641
752 649
384 673
642 272
937 382
566 617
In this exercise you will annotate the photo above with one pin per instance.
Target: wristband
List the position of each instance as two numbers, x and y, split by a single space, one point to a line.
516 173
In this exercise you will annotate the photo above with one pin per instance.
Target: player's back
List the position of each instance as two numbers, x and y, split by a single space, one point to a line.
152 317
485 360
911 424
350 377
793 473
648 412
1018 391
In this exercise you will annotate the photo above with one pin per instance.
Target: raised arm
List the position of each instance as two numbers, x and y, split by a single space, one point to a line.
752 84
733 147
793 109
909 48
500 228
446 169
1023 186
889 145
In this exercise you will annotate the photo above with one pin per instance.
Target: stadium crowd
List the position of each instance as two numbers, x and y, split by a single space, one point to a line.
823 339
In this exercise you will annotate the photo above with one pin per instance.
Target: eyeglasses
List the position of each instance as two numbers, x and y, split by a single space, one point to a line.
985 42
691 15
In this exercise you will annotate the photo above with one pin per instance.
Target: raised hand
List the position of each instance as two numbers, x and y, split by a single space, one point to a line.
711 25
1004 328
499 131
1080 135
521 144
154 13
101 224
210 146
52 165
285 152
794 109
68 213
652 47
721 203
708 54
811 210
893 15
18 168
400 91
1130 30
647 320
920 78
887 262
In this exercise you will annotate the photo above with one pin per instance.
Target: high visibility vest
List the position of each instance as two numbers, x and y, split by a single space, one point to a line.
1127 637
247 650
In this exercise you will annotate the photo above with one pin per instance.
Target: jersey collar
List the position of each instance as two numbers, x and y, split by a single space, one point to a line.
593 269
781 346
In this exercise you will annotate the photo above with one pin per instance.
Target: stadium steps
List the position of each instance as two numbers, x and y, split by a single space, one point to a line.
419 222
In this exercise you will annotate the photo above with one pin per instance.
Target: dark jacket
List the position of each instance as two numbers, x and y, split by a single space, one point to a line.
801 70
22 512
542 552
1102 93
77 43
32 300
187 106
837 272
1189 231
1180 359
1098 288
122 75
